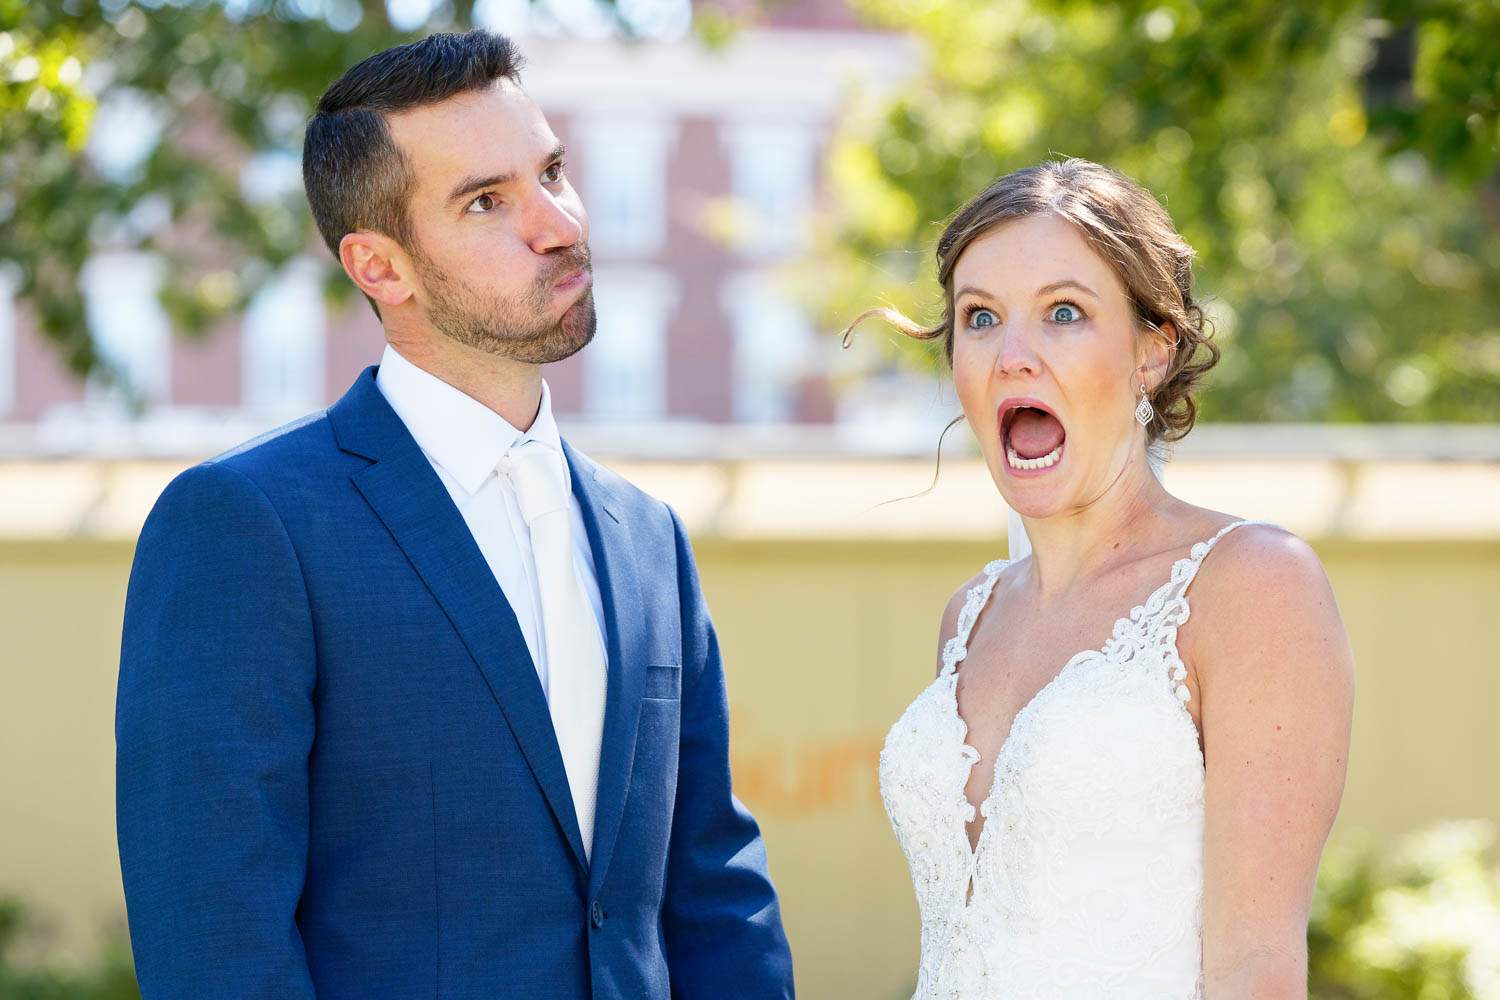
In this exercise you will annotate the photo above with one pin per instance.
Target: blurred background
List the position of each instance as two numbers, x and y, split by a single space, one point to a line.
756 173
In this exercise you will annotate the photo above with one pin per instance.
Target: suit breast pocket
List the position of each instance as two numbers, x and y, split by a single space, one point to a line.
664 681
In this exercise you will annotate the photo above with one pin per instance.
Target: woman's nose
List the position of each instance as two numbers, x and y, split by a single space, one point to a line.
1016 356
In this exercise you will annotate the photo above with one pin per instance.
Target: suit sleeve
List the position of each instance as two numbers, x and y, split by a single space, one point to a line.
721 919
213 730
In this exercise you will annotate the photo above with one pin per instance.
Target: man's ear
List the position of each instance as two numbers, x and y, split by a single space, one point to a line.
1158 351
375 263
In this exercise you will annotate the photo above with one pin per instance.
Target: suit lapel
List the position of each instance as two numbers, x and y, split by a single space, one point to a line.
615 564
412 502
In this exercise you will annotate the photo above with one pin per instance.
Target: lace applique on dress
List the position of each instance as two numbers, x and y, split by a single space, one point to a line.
1087 878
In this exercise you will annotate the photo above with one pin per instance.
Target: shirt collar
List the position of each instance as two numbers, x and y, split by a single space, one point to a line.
456 431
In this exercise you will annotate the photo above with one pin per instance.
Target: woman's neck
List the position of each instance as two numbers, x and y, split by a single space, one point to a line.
1073 546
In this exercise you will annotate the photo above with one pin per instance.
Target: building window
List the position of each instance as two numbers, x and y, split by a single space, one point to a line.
130 328
283 341
625 367
624 183
771 167
772 349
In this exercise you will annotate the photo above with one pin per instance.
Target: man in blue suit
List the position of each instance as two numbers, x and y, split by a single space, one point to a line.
416 700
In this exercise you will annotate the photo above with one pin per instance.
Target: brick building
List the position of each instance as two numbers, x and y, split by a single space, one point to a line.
699 168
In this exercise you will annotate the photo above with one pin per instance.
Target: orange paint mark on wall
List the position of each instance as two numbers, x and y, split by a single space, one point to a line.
800 778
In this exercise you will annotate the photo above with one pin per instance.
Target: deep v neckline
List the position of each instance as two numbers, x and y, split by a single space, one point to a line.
1195 554
975 848
976 756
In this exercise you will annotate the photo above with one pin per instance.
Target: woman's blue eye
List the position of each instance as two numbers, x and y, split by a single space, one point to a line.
982 317
1065 312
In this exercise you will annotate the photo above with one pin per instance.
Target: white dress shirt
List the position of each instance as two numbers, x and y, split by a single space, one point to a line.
464 440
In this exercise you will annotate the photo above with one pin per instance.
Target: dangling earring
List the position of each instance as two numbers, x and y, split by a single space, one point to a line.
1143 410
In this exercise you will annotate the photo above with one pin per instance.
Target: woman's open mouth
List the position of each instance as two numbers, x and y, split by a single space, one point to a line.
1032 436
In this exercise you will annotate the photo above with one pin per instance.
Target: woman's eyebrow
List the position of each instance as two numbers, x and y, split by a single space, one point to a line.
1065 283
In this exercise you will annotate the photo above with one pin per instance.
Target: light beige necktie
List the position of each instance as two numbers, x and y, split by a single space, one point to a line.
570 635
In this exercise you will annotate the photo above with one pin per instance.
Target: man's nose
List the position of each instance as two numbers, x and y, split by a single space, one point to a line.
551 223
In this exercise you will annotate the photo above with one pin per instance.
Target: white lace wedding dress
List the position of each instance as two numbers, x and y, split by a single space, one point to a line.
1088 875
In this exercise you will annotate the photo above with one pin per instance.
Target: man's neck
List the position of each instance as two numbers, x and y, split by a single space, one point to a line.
513 389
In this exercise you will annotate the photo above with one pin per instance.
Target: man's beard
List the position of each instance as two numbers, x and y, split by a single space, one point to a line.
517 328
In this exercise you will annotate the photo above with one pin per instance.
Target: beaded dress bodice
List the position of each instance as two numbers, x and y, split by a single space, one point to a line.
1088 874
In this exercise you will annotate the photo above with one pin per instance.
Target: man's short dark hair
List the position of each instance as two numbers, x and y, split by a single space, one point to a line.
355 175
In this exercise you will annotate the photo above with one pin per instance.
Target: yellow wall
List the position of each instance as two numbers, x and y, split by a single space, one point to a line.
824 642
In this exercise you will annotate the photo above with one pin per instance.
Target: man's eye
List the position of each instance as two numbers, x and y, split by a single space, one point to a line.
486 199
554 173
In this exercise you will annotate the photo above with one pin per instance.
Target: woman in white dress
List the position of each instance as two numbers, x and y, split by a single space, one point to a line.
1098 797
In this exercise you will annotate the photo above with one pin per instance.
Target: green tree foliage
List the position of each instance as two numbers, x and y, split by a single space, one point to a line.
1420 918
1334 164
223 79
111 976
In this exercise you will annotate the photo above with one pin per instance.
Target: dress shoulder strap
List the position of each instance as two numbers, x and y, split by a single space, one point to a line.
1168 609
957 646
1186 568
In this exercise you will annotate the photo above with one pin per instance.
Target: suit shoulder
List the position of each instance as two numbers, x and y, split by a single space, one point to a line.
253 470
285 463
299 440
637 502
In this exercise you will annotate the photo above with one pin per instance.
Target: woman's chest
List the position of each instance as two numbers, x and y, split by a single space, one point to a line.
1103 742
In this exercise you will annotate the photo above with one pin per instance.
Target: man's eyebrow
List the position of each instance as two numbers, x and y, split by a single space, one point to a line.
472 183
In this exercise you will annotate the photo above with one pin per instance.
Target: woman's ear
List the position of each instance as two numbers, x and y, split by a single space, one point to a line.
1159 349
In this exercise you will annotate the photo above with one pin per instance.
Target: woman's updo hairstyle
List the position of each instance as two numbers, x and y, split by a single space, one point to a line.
1128 227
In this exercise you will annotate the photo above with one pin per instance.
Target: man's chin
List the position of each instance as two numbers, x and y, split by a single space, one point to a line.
576 328
572 333
565 337
565 347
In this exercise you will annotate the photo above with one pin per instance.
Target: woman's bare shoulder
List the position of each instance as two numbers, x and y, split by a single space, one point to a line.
949 626
1260 553
1280 569
1249 552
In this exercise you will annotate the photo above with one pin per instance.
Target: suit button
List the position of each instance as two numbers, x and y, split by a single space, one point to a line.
596 914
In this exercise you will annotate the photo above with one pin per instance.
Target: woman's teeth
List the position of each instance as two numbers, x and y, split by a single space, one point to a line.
1017 462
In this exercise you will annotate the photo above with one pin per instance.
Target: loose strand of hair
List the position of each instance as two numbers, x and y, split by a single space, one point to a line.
936 469
895 318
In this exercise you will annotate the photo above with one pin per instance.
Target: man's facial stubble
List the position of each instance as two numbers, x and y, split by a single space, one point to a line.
519 328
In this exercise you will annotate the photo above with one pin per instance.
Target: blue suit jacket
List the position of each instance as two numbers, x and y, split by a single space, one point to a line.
336 771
